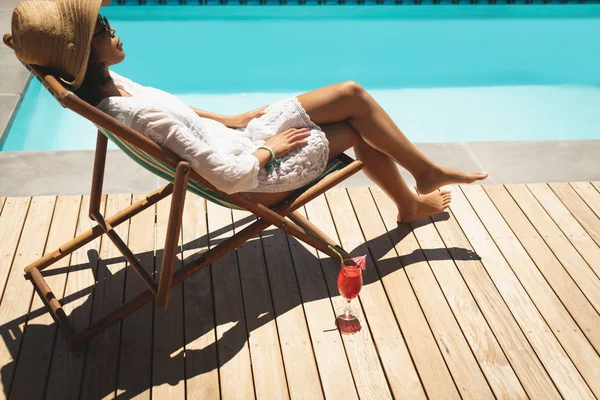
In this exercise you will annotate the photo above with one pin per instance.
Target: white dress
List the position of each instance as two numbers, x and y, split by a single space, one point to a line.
223 156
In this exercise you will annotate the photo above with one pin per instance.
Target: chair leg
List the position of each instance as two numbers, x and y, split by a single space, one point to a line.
128 254
98 174
52 303
312 228
173 232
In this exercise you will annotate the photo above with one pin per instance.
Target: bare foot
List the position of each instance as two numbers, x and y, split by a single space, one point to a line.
425 206
446 176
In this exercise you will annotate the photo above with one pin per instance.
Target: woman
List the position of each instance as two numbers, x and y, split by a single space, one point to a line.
271 151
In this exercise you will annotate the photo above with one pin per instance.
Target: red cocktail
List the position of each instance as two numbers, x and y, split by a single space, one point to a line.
349 283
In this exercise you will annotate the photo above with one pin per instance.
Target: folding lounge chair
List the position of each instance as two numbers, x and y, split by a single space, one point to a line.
170 167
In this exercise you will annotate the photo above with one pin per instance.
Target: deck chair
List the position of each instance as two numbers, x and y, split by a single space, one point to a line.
182 179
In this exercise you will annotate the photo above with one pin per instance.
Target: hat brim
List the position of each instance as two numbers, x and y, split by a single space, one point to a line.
92 8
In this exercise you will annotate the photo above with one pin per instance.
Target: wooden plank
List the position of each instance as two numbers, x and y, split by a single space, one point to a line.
299 360
263 338
2 200
101 362
367 369
422 343
556 240
487 351
39 337
557 277
135 353
517 349
327 343
589 194
66 367
11 226
235 369
168 376
548 349
18 293
580 210
201 363
567 223
596 185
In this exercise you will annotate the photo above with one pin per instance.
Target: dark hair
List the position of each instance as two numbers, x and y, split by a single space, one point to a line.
95 79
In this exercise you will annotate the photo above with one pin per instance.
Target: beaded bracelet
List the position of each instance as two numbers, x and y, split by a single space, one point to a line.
273 161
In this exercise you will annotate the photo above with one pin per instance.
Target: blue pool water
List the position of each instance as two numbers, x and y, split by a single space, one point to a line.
444 73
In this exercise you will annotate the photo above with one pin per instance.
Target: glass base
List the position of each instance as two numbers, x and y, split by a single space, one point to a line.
347 320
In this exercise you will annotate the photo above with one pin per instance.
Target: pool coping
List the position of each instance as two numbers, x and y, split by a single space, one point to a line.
69 172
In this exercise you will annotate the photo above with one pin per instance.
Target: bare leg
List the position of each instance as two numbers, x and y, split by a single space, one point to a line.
349 102
381 169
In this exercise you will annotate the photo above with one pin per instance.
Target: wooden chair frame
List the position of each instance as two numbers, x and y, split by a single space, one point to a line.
284 216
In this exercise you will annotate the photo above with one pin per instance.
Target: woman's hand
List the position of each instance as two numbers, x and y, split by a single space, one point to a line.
286 141
282 143
242 120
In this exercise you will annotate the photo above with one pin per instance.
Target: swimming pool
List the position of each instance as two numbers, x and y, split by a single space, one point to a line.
444 73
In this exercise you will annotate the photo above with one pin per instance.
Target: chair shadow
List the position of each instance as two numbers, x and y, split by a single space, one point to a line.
230 343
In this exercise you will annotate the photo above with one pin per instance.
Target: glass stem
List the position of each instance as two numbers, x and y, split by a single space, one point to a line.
348 310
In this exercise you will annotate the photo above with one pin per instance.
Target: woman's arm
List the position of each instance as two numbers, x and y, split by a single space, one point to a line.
236 121
210 115
227 172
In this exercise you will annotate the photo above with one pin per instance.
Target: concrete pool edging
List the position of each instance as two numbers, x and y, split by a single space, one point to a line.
9 106
69 172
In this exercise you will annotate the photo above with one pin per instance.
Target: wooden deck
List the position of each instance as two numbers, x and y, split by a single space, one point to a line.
500 298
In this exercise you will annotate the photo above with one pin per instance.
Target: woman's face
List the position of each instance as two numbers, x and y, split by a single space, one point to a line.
109 47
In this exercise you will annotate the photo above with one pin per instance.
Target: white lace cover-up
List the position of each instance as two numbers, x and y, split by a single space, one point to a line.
222 155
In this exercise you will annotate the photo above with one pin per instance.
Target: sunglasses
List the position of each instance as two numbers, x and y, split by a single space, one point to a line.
105 26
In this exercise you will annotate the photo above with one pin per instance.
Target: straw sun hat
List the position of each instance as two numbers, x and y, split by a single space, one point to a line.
56 34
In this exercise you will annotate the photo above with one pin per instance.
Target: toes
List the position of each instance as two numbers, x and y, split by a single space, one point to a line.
446 200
